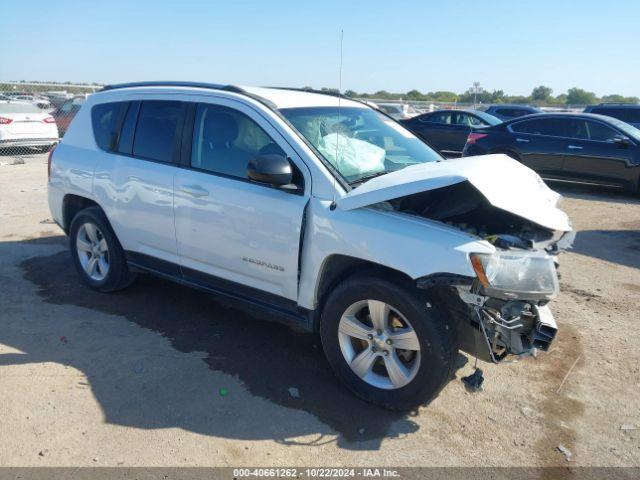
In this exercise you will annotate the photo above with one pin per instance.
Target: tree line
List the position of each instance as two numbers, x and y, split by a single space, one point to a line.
540 95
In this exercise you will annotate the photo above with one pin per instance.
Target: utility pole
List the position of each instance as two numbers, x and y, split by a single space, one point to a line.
476 89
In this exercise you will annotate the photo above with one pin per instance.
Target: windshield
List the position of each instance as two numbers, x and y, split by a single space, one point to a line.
359 142
629 130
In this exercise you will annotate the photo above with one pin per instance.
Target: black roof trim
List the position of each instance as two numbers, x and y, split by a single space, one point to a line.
170 83
617 104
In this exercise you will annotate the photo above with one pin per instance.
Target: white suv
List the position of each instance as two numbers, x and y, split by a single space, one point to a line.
324 212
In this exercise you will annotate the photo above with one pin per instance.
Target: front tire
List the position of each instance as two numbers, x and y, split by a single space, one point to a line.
388 344
97 253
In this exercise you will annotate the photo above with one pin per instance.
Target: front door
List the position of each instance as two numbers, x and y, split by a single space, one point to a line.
229 228
541 144
594 156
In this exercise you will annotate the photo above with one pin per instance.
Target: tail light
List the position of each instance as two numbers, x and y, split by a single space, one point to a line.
49 161
49 120
5 121
474 137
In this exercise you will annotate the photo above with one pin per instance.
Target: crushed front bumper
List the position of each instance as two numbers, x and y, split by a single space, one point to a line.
497 328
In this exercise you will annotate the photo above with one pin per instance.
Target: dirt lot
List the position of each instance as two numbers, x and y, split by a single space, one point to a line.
135 378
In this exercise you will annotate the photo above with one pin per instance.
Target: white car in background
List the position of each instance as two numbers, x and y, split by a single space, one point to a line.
25 125
39 101
399 111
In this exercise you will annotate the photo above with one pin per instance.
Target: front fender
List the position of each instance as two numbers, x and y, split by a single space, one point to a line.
414 246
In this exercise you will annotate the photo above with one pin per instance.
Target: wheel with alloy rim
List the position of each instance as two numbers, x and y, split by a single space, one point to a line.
93 251
379 344
388 344
97 253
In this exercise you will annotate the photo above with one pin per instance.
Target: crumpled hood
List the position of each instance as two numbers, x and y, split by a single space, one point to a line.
503 181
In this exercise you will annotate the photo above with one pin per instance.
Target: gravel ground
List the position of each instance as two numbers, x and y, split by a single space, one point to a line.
163 375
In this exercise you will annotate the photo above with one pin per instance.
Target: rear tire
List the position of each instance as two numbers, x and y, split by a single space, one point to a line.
383 382
97 253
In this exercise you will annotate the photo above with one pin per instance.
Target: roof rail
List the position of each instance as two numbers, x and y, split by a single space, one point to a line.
619 103
209 86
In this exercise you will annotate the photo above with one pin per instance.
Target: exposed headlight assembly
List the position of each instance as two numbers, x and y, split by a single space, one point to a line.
511 275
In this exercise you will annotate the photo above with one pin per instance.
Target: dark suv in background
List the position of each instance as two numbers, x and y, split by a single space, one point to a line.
583 148
507 112
627 112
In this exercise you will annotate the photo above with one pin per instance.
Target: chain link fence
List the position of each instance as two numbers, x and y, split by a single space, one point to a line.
35 116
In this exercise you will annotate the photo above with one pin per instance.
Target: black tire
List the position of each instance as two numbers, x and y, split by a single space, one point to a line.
119 276
436 338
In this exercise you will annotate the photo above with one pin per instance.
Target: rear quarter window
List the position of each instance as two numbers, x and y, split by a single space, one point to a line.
104 121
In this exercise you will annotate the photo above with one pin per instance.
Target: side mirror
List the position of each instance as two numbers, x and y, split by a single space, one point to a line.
270 169
621 141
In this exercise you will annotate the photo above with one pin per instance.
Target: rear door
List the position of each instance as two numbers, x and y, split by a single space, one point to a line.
463 123
594 156
235 234
134 180
541 144
439 131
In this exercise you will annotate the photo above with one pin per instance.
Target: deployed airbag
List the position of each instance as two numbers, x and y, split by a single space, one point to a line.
352 157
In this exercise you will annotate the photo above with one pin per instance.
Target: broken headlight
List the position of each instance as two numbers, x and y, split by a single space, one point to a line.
509 275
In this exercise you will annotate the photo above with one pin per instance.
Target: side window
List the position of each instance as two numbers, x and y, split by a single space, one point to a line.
225 140
505 112
611 112
600 132
534 127
577 128
629 115
104 118
512 112
555 127
467 120
461 119
67 106
156 130
442 117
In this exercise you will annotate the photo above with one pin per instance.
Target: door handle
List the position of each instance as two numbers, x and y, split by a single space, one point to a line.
194 190
522 140
574 147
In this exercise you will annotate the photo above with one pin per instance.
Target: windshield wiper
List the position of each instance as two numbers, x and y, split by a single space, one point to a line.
368 177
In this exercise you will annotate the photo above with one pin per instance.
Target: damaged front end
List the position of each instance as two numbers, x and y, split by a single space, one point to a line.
502 310
497 328
505 308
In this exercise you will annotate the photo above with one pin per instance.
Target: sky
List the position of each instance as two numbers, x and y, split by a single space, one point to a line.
391 45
